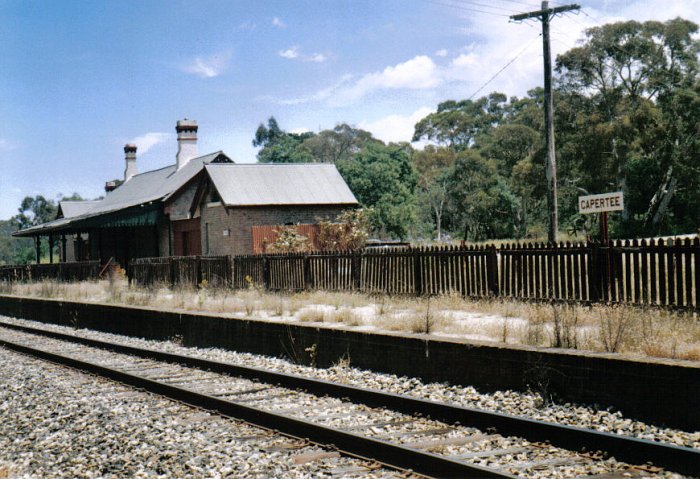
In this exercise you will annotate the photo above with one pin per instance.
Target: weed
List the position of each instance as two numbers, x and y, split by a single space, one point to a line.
279 307
249 307
565 327
50 289
312 352
535 330
343 362
311 315
345 316
6 287
614 322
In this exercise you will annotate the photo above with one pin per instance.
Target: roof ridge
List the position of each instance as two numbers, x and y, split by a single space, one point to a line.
273 164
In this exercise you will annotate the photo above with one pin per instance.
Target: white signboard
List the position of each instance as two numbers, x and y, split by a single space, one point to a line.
601 203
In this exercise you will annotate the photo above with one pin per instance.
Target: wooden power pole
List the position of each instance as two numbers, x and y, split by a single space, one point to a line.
545 14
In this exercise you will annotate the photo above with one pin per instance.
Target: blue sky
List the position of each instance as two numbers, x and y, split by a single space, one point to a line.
79 79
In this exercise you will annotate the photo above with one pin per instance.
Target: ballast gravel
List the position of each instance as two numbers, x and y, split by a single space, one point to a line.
60 423
528 405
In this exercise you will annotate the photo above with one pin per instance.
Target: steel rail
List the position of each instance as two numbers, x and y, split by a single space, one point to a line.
398 457
678 459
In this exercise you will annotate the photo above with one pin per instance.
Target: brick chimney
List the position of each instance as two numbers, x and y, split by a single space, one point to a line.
130 157
186 141
111 186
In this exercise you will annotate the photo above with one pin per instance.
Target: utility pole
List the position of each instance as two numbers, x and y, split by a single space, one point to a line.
544 15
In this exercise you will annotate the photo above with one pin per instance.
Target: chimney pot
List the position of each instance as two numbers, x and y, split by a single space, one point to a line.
130 159
186 141
110 186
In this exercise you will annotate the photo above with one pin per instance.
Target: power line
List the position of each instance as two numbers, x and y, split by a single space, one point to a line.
466 9
504 67
527 4
509 10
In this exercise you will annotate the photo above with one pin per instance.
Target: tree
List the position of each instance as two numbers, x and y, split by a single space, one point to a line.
479 199
14 250
279 146
630 91
382 178
34 211
457 125
433 166
338 144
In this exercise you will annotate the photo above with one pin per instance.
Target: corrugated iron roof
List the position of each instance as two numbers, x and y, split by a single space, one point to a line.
140 189
238 185
280 184
72 208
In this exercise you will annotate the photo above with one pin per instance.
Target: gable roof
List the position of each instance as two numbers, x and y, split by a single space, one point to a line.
279 184
141 189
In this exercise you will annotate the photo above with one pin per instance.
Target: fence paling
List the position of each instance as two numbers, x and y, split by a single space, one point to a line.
636 272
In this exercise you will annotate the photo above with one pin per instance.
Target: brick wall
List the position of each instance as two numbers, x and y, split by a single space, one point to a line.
240 220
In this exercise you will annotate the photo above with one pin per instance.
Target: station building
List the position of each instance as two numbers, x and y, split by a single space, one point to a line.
200 205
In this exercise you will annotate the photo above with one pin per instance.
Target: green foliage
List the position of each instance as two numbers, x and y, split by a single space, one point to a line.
480 200
338 144
627 110
433 166
383 178
459 124
34 211
279 146
14 250
627 119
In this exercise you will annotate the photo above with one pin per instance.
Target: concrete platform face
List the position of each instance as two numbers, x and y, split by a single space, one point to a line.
663 392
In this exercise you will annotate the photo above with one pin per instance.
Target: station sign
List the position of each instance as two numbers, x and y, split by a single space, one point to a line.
601 203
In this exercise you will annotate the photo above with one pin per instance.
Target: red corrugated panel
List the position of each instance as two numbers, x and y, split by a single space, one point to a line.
266 234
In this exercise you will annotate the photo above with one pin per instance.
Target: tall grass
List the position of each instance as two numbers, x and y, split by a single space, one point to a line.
614 329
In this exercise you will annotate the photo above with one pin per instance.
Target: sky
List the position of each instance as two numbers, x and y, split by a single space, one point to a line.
79 79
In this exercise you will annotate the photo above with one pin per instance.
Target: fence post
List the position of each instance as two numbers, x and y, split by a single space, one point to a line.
417 273
356 269
266 272
307 272
593 270
172 272
492 270
198 271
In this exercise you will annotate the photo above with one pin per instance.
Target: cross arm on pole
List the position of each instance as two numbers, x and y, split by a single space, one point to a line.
546 11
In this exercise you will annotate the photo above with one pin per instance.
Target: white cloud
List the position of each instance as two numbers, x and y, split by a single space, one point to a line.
492 44
316 58
210 66
295 53
395 128
299 131
321 95
416 74
290 53
278 22
149 140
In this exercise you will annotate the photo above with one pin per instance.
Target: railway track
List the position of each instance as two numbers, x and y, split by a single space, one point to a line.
430 438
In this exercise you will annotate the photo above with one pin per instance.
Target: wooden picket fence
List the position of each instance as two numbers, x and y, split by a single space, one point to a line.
78 271
637 272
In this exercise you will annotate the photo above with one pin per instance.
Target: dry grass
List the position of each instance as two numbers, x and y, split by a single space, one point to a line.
616 329
311 315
